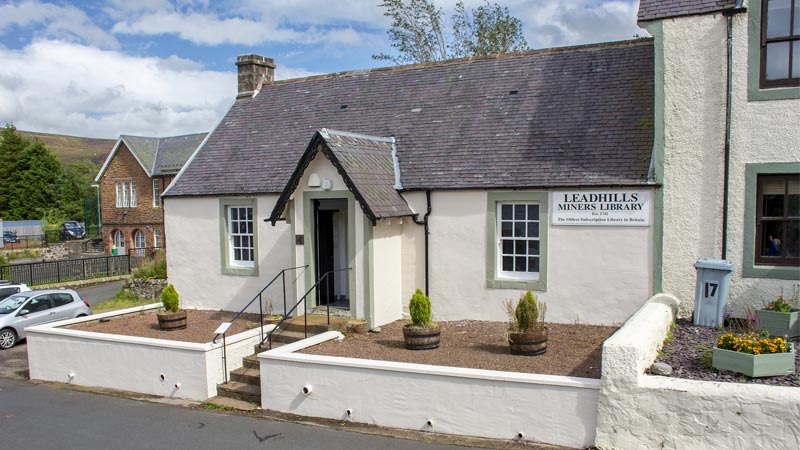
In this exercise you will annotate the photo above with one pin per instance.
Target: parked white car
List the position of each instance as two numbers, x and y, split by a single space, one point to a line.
25 309
8 288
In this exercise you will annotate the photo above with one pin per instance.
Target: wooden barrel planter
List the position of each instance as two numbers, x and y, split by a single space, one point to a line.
421 338
529 343
172 321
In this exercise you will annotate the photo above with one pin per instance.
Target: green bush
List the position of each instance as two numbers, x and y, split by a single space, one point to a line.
420 309
527 315
153 269
125 298
169 298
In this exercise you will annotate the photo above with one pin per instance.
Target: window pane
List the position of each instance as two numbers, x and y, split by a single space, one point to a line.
508 263
796 17
771 235
794 198
773 206
249 212
508 247
234 214
796 54
533 212
533 229
507 211
533 264
533 247
778 18
778 60
250 227
237 254
520 247
520 264
793 239
519 212
519 229
506 229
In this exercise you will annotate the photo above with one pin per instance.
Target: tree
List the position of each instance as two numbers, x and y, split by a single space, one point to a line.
11 147
418 35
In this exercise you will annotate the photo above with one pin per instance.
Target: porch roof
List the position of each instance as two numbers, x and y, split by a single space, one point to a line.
367 166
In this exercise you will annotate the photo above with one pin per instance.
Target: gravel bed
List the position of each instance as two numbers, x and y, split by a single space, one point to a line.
685 354
200 325
572 350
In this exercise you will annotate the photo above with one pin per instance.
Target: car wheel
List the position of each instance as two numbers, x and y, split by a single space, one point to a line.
8 338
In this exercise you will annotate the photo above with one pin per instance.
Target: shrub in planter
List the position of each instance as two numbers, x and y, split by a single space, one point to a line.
781 317
754 354
527 333
172 318
422 333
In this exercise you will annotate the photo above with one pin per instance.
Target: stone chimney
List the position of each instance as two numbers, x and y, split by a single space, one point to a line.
254 72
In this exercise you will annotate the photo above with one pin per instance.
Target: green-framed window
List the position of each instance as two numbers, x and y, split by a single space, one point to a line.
238 236
517 240
774 50
771 243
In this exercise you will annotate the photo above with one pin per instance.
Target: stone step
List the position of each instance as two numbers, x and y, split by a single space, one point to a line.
316 324
287 336
240 391
247 375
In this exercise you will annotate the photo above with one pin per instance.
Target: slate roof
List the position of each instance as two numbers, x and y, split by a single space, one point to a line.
366 165
579 116
662 9
158 156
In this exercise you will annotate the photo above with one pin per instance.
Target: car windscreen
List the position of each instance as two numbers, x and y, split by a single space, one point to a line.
11 304
70 225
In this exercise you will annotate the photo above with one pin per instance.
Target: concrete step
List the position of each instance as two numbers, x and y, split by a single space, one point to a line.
240 391
251 362
247 375
316 324
287 336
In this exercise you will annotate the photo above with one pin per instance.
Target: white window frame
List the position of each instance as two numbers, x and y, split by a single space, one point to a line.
246 253
139 239
133 194
156 192
126 197
118 239
119 194
518 235
157 237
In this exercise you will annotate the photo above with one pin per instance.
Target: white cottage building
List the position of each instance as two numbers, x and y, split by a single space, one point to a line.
473 179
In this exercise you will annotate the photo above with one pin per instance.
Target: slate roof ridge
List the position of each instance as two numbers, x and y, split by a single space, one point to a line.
468 59
652 10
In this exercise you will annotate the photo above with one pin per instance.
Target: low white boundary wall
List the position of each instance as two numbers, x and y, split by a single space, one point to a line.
130 363
640 411
544 408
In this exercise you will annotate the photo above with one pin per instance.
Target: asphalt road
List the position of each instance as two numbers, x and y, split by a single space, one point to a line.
100 292
40 417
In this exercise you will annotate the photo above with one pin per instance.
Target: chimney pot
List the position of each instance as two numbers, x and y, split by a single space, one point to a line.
254 72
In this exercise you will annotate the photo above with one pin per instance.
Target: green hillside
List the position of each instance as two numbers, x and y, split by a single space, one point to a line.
73 148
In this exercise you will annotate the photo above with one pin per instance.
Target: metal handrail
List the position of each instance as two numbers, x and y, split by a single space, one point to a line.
282 275
303 300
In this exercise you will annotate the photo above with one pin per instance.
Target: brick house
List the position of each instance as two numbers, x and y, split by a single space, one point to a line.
131 181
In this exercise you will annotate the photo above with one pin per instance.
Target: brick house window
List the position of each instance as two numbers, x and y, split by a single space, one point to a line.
780 43
778 220
139 240
156 193
157 237
126 194
119 241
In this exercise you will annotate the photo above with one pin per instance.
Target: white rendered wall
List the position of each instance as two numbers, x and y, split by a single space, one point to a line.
132 363
550 409
694 116
595 274
387 270
413 248
639 411
194 262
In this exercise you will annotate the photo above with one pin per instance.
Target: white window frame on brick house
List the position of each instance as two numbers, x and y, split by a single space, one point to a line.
118 239
126 196
139 239
238 236
157 237
133 194
156 193
119 194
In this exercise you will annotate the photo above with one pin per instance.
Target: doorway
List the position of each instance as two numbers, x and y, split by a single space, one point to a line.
330 252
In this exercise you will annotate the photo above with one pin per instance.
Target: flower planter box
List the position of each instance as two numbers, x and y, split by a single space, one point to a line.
764 365
780 323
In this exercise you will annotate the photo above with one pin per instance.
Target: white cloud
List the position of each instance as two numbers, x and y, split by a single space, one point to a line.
66 23
67 88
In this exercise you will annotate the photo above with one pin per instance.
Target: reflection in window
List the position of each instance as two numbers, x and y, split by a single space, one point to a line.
778 219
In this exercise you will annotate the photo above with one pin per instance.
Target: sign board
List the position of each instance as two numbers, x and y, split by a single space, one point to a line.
223 327
613 207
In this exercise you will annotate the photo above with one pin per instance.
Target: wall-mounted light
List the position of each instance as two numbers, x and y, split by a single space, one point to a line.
313 180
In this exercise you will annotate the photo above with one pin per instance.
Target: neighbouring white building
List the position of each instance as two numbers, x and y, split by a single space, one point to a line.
727 144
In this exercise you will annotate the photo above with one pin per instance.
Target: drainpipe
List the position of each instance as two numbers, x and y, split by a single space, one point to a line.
729 13
427 233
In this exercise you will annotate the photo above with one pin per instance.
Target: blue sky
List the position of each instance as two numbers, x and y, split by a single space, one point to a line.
164 67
